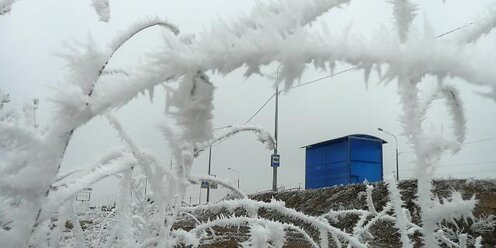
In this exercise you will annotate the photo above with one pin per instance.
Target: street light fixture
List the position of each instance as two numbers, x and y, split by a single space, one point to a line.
396 141
210 161
237 172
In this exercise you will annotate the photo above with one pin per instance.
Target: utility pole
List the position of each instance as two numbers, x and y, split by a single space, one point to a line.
199 197
210 162
146 185
276 117
276 124
209 167
396 142
36 101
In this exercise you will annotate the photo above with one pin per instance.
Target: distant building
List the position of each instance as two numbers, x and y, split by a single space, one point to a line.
349 159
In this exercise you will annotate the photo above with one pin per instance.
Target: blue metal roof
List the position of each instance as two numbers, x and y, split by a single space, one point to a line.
356 136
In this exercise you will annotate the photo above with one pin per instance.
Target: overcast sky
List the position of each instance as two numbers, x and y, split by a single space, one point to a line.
35 30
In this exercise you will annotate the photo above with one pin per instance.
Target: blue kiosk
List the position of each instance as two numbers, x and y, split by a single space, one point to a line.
349 159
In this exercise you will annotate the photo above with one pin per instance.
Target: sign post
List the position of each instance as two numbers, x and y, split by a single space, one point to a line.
207 185
214 185
84 195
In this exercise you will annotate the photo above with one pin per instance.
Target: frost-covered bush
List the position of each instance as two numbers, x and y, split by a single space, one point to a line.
102 8
34 212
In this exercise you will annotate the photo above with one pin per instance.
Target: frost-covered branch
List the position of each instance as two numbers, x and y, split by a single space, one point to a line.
194 236
452 208
226 46
369 200
240 221
6 6
404 14
150 163
111 164
484 224
420 55
454 105
401 219
212 179
442 238
366 220
263 136
130 33
265 21
479 28
191 216
251 205
74 109
20 139
102 8
124 228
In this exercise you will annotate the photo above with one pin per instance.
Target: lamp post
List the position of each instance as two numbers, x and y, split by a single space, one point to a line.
210 161
36 101
396 141
237 172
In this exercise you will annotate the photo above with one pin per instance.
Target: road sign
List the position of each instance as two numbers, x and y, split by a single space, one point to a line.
213 185
274 160
83 196
205 184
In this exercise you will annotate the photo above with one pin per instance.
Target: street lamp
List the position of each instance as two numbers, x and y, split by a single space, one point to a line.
396 141
210 161
237 172
36 101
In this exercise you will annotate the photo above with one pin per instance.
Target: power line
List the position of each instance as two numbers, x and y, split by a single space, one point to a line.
478 141
474 163
296 86
454 30
486 170
260 109
460 164
325 77
472 171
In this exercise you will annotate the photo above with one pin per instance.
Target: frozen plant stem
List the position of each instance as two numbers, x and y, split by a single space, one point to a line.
62 137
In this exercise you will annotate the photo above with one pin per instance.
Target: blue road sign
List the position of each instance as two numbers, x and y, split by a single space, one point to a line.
204 184
274 160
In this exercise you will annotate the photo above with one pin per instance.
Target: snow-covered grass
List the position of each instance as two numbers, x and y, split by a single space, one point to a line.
345 206
38 198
